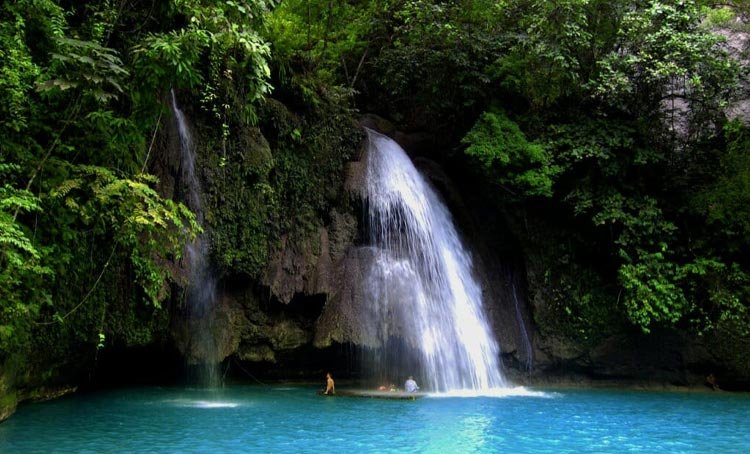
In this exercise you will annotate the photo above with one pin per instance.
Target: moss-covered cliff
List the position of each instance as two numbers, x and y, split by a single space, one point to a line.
277 219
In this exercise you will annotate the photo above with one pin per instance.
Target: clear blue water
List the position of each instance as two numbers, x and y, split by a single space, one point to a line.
294 419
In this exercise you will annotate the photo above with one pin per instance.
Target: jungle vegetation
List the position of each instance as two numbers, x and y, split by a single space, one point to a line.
615 126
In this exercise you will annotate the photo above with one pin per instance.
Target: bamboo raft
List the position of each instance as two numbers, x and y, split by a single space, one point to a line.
374 394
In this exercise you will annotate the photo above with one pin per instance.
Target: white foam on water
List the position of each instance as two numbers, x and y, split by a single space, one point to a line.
208 404
191 403
518 391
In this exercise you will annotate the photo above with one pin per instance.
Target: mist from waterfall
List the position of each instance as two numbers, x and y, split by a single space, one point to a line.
201 289
426 302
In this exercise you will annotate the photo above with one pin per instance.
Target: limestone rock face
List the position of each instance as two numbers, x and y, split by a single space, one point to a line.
737 43
287 335
301 266
257 353
238 324
212 337
307 264
345 315
326 263
20 381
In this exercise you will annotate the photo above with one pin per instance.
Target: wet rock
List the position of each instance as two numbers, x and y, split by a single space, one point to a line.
343 232
213 336
302 264
345 316
257 353
8 404
378 123
287 335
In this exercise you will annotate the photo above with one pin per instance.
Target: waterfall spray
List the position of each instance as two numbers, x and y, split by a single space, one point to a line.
421 285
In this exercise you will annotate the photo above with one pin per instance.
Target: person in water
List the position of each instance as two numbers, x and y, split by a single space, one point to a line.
711 382
330 385
410 386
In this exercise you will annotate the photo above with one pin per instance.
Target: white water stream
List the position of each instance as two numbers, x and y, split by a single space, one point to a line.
201 290
421 284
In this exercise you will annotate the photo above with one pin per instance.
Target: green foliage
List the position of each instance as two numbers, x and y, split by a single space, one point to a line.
723 204
325 35
579 302
241 204
21 263
726 204
719 17
521 167
603 165
432 61
171 59
599 145
219 49
285 186
652 294
707 292
410 51
134 214
651 278
18 70
608 179
663 52
97 70
75 205
640 220
547 59
310 169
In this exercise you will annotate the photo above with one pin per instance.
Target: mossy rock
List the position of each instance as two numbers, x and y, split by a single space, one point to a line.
257 353
8 404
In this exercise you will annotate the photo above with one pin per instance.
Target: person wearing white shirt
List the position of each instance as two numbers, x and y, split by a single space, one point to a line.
411 386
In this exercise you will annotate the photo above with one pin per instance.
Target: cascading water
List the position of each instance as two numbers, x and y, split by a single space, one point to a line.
420 283
527 352
201 290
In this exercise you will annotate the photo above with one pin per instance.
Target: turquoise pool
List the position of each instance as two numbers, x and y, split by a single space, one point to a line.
294 419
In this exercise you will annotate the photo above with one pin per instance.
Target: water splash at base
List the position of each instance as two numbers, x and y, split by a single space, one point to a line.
518 391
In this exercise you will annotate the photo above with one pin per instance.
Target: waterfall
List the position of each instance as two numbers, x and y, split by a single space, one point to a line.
427 303
527 352
201 291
